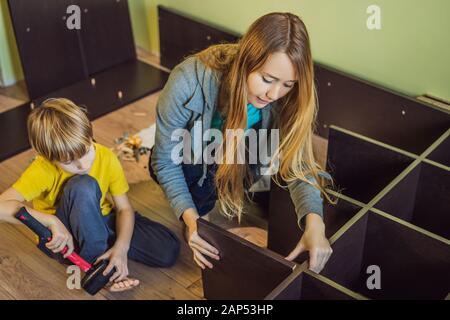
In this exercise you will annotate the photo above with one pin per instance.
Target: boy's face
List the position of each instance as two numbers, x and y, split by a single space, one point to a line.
80 166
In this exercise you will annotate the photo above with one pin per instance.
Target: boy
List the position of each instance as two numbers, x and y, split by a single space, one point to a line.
68 182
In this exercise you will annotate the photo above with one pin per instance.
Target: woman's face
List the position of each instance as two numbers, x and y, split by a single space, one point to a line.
80 166
273 81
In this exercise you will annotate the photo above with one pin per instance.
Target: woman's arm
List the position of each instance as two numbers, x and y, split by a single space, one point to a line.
172 115
309 208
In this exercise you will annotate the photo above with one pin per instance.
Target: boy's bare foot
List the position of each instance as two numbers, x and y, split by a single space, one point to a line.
125 284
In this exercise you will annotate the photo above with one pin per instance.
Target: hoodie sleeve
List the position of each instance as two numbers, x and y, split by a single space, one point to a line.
171 114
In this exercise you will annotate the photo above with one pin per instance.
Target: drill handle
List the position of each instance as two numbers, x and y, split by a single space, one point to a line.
45 235
27 219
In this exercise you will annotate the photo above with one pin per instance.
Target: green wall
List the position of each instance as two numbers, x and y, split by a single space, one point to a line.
10 67
409 54
144 19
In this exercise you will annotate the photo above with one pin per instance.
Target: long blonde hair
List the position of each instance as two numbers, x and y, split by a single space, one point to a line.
274 32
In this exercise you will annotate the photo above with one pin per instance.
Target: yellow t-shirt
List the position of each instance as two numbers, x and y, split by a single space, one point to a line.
42 181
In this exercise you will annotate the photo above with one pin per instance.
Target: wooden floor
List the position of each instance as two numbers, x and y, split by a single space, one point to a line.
26 273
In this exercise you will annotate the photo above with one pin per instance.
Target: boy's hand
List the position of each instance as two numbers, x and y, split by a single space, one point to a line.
118 257
61 237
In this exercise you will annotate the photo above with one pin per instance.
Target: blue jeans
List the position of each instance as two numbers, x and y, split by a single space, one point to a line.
79 210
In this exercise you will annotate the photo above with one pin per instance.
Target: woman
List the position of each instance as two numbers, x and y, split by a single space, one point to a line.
264 81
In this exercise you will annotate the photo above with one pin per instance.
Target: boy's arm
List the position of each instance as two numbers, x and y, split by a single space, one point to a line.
10 203
124 221
117 255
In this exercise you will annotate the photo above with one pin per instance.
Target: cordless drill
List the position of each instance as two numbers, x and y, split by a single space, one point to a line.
93 280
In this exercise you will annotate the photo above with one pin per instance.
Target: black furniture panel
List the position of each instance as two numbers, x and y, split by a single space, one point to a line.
422 198
50 53
13 124
400 200
376 112
442 153
106 35
362 169
181 36
95 66
412 265
244 270
302 286
284 232
134 79
54 56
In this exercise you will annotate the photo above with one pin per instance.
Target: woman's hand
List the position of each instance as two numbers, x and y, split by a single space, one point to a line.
315 242
118 258
200 248
61 237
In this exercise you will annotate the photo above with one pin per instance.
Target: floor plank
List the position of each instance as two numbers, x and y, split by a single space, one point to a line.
4 295
12 168
155 284
197 288
148 199
7 103
27 273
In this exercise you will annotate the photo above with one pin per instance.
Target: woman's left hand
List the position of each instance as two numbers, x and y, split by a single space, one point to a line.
315 242
118 258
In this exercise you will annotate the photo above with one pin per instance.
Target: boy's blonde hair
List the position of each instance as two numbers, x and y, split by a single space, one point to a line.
59 130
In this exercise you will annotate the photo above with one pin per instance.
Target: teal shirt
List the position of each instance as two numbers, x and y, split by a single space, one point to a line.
253 117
